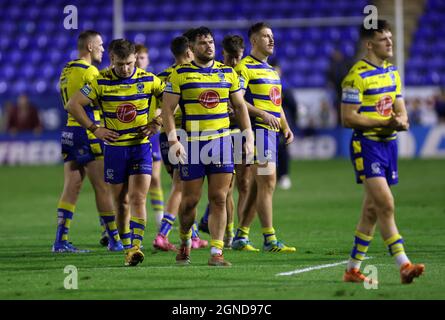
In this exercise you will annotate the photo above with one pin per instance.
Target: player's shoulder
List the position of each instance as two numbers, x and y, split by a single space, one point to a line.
390 67
223 67
141 73
248 60
105 74
166 72
361 66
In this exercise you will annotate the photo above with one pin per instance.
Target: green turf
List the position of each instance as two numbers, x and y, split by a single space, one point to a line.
318 215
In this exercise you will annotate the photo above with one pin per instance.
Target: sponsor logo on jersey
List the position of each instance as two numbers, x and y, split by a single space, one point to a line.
209 99
86 89
126 112
350 95
275 95
384 106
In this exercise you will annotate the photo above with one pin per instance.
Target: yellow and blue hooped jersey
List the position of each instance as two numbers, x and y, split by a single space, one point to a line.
375 89
204 95
164 75
262 85
125 102
74 76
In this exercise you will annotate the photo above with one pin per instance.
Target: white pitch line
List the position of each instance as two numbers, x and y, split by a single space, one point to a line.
322 266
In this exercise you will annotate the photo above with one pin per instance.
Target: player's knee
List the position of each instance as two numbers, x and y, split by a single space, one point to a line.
243 187
386 208
189 202
137 199
218 198
267 186
370 214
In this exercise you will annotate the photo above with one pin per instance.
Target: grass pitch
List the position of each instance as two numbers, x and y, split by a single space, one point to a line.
318 215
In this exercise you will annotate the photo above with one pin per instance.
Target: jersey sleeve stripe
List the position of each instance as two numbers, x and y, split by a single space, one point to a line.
125 98
366 109
197 101
379 90
258 66
191 70
264 81
350 102
194 85
116 82
79 65
206 116
260 96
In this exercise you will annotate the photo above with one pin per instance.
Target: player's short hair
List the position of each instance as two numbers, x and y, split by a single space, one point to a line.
198 32
188 33
179 46
232 44
368 33
122 48
112 44
257 27
85 37
140 48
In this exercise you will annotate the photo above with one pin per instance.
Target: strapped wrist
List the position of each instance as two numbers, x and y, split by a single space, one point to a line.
93 128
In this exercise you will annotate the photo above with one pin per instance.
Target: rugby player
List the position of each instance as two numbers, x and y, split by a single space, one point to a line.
81 150
123 93
373 105
203 88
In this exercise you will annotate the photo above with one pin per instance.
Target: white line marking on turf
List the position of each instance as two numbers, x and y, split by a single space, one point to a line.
322 266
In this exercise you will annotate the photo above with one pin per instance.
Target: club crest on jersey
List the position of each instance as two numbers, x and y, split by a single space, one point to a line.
275 96
209 99
126 112
384 106
140 87
221 77
393 78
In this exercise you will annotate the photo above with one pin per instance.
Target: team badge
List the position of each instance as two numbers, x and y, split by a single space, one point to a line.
375 167
209 99
140 87
384 106
185 171
393 78
110 174
275 96
221 77
126 112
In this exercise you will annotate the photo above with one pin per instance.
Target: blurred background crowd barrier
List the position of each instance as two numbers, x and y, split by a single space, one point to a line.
316 44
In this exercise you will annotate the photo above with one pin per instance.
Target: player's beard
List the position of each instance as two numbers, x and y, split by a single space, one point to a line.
96 60
204 59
